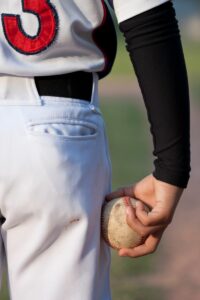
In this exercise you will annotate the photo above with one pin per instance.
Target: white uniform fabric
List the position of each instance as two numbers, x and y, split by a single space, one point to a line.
50 37
55 173
127 9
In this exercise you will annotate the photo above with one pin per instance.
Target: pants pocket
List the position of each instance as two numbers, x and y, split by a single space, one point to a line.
64 129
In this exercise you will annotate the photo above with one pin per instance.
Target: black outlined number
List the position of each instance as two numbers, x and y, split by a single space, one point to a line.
48 26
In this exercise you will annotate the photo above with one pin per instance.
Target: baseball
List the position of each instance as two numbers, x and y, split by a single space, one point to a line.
115 230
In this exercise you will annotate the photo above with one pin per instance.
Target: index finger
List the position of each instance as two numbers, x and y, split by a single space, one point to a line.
152 218
121 192
137 225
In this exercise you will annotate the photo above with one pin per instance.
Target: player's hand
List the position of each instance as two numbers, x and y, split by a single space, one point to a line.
162 198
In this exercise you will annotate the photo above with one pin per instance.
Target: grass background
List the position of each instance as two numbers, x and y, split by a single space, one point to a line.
130 150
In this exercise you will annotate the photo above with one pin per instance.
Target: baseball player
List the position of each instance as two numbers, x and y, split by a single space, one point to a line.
55 166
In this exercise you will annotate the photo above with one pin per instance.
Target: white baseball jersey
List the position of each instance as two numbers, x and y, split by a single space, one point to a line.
47 37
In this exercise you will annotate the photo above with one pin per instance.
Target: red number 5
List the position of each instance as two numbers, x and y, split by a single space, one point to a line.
48 25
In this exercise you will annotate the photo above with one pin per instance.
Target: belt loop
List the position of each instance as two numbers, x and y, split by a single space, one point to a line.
95 93
17 90
35 91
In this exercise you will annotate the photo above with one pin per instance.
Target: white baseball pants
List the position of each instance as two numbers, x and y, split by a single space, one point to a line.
55 171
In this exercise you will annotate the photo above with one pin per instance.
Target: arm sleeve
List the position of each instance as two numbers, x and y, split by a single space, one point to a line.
154 44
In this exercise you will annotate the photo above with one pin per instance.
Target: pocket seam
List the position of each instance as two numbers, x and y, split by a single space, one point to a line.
61 121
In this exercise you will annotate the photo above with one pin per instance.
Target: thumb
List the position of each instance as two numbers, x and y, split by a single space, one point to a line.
130 215
131 218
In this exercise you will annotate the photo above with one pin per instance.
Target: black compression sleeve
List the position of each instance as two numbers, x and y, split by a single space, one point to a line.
153 41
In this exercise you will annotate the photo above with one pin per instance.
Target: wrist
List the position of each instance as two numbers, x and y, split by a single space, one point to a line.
171 190
178 179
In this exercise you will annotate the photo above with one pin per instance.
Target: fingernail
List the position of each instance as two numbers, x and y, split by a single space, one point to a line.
128 211
122 254
137 203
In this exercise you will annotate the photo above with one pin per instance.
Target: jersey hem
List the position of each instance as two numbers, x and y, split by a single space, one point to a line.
131 9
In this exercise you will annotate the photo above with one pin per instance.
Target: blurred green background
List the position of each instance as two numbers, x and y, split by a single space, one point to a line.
132 153
131 149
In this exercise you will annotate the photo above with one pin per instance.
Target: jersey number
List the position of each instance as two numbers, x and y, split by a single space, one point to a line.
48 25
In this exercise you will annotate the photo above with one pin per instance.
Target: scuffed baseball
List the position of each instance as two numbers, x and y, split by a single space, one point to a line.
115 230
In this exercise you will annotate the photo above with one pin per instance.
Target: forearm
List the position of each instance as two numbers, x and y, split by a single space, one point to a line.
154 44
